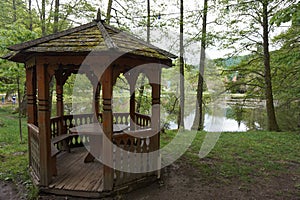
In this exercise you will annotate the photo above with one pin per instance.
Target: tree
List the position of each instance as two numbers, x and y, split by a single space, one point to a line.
198 121
56 17
108 13
272 121
249 30
142 87
30 14
181 67
43 17
287 59
63 15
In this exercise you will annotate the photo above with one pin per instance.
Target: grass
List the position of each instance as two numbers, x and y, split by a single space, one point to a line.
244 156
236 156
13 152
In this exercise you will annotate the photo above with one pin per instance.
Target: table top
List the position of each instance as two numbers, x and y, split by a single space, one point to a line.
96 128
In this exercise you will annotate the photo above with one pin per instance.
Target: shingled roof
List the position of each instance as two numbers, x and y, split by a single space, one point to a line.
94 36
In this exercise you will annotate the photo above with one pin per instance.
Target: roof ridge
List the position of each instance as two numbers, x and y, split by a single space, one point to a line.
107 39
31 43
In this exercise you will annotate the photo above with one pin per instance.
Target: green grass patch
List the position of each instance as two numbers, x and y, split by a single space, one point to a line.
243 155
13 152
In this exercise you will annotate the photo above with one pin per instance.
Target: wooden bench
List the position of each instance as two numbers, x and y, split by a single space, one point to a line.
54 150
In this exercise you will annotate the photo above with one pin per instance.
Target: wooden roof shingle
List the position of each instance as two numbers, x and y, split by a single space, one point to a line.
94 36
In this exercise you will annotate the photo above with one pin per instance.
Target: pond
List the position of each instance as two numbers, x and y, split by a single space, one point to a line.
233 118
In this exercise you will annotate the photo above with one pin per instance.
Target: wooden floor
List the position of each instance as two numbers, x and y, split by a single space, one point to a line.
76 176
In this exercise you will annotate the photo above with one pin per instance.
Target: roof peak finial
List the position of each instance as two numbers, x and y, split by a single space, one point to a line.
98 15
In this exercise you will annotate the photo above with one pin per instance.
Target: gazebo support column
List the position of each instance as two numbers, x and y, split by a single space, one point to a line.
44 124
107 152
97 101
132 108
31 103
155 119
59 100
31 95
131 79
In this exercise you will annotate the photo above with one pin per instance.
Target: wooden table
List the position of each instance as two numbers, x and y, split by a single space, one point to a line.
95 133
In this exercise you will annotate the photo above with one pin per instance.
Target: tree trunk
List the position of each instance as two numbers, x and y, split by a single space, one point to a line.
198 121
108 13
56 16
43 17
30 14
272 122
181 66
148 21
14 11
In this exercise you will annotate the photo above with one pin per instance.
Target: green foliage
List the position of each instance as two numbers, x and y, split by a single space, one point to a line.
287 14
9 71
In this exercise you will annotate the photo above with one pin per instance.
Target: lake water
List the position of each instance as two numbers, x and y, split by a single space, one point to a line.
214 124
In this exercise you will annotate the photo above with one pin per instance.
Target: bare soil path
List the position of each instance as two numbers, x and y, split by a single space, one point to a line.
8 191
182 181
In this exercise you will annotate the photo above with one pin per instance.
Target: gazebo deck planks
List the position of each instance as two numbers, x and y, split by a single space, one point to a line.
74 174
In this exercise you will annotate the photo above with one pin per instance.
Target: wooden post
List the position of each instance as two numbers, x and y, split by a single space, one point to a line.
155 118
155 83
107 152
131 79
96 92
31 95
132 108
44 123
31 102
59 100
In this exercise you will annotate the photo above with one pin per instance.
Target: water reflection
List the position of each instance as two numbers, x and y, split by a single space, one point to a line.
214 124
232 118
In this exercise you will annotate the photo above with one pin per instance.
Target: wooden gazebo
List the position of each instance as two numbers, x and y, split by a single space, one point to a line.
102 53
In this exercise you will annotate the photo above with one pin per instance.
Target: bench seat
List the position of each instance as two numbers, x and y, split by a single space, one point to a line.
55 150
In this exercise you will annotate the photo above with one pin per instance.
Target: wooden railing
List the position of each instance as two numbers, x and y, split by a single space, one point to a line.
121 118
131 155
34 161
143 120
54 124
69 121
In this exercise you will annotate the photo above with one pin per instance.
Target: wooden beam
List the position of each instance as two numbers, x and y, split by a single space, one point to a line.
107 152
59 93
31 95
131 79
96 104
44 123
31 103
155 82
62 60
107 39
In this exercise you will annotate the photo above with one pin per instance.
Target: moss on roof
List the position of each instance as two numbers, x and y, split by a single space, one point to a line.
95 36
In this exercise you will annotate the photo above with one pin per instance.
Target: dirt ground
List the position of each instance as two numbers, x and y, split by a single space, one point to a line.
9 191
182 181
